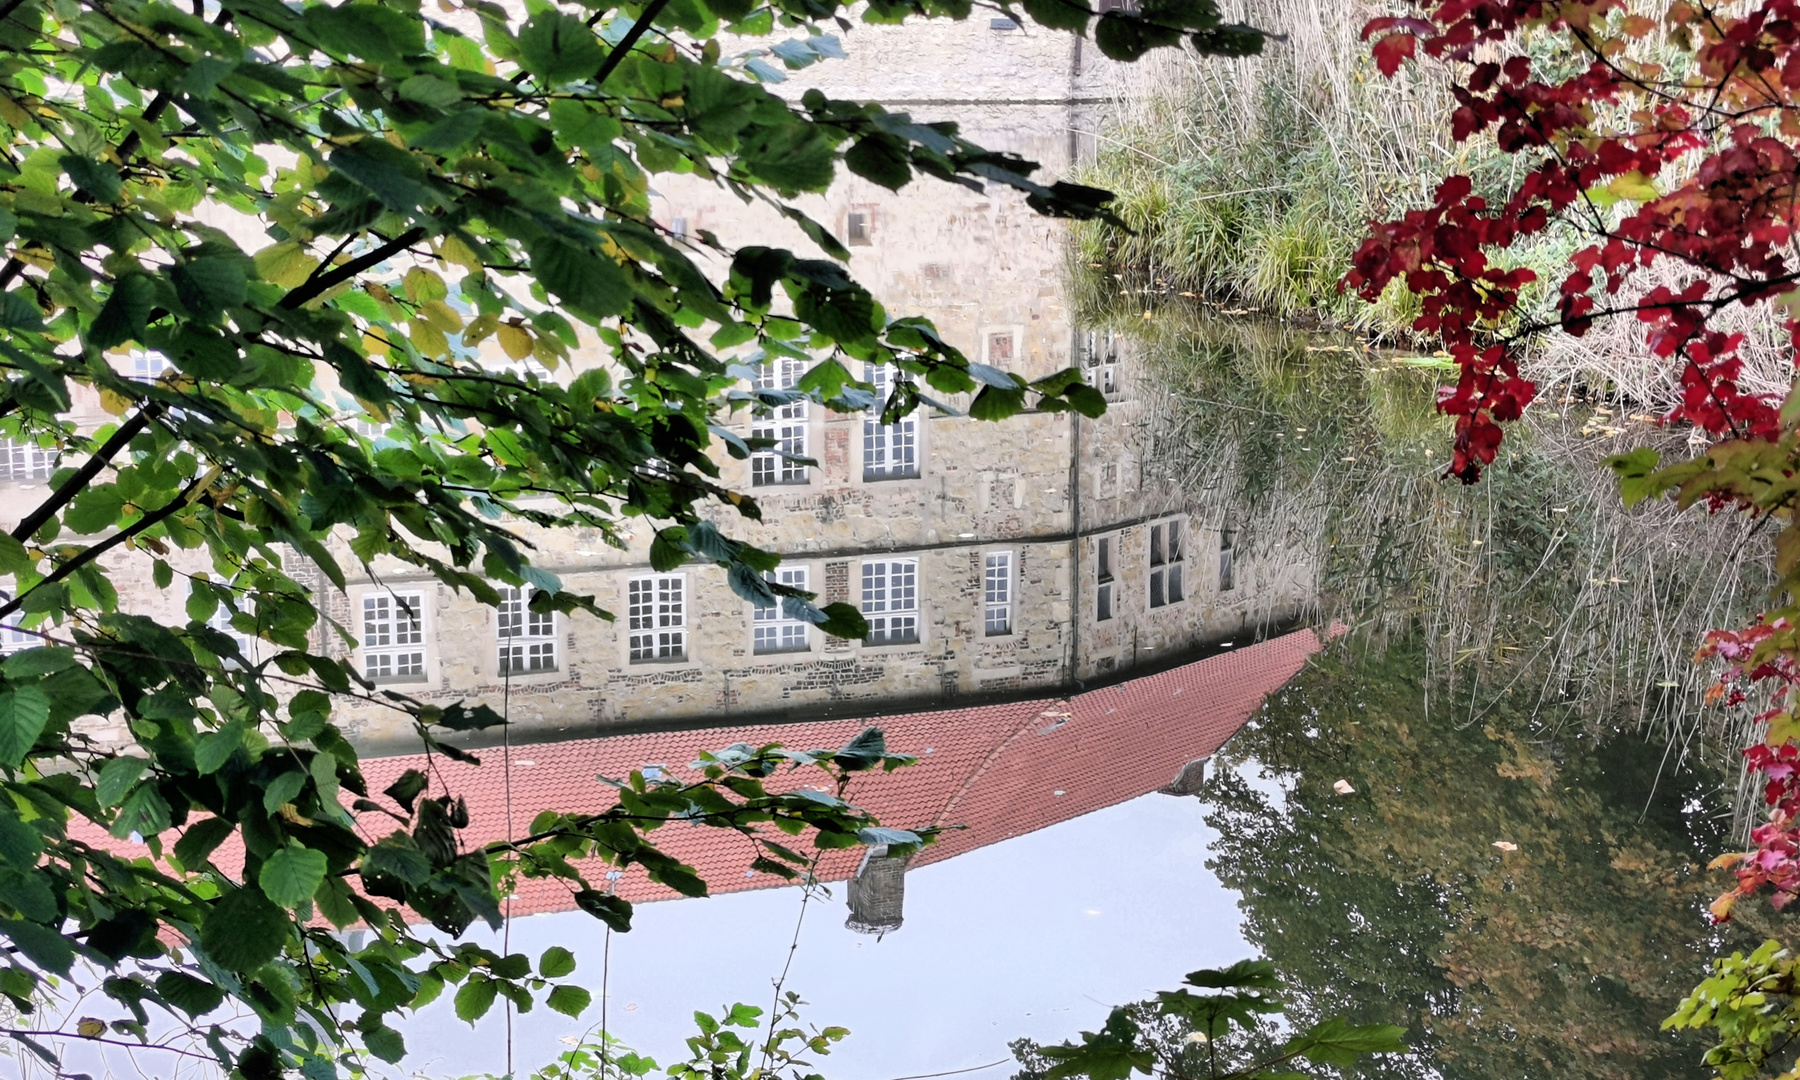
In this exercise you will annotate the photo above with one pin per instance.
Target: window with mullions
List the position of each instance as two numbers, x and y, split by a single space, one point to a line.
393 637
1100 361
20 461
997 593
774 631
149 366
784 424
657 617
1167 551
1103 579
527 637
890 451
890 601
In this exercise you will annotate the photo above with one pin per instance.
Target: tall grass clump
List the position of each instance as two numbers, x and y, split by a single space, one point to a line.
1255 178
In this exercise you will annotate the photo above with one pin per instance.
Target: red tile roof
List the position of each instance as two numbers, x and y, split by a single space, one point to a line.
996 770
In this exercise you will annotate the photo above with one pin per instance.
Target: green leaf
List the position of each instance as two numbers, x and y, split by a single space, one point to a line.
1637 469
1337 1042
17 312
385 1043
285 788
558 47
556 962
216 747
95 510
588 282
44 947
209 286
291 876
117 777
200 840
614 911
244 930
125 312
23 713
407 788
96 178
569 1000
474 999
37 663
196 997
1069 15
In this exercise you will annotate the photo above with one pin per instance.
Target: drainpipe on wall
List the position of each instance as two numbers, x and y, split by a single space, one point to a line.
1075 543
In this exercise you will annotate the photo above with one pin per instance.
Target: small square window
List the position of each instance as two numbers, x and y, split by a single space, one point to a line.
1000 348
678 227
859 228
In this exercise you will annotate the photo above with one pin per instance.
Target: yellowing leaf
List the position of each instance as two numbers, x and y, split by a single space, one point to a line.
286 264
516 340
375 345
428 339
442 316
422 285
455 251
1730 858
1721 908
88 1027
1635 186
114 402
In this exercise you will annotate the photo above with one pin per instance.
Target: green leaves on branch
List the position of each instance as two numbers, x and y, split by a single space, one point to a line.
1181 1033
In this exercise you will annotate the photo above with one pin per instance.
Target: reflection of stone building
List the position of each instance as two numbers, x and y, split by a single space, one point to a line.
985 775
990 559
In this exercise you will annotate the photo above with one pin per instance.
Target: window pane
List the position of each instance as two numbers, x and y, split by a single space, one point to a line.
1156 545
1103 603
1156 589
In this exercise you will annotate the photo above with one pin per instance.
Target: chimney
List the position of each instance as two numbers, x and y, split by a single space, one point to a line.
877 892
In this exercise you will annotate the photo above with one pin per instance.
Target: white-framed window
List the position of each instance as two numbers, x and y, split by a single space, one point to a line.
1167 552
997 593
890 451
1100 361
393 636
527 638
25 461
657 617
773 630
220 620
890 601
785 424
148 366
1227 553
1103 579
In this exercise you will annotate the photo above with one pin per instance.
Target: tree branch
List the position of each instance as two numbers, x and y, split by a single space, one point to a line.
623 48
88 555
325 282
73 486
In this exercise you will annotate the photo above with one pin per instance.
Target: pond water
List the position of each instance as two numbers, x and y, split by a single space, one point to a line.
1524 895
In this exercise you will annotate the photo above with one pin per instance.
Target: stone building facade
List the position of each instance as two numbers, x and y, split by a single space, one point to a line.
991 559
